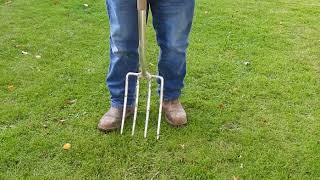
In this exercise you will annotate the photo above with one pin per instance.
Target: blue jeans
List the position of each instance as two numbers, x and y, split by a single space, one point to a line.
172 21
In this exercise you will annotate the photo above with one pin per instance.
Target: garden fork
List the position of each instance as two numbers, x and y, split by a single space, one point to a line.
142 17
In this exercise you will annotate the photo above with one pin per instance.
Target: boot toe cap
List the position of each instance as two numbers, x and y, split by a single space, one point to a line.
177 118
108 123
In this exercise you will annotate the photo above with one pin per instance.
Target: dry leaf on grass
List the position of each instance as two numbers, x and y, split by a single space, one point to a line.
8 2
55 2
221 106
70 101
67 146
24 53
182 146
62 121
11 88
235 177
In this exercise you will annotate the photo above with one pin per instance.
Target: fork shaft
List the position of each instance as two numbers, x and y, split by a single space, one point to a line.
142 41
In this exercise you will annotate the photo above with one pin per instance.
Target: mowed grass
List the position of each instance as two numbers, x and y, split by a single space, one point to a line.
252 94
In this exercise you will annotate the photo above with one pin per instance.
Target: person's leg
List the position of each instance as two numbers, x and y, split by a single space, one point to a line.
123 59
123 49
172 21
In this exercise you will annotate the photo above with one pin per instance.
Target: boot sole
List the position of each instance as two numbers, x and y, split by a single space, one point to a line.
115 128
175 125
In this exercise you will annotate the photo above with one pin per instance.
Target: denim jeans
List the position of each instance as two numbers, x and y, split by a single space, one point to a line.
172 21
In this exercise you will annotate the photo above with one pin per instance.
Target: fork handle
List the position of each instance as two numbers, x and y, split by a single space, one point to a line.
141 5
142 16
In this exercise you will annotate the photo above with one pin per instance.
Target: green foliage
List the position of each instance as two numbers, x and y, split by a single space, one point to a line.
252 94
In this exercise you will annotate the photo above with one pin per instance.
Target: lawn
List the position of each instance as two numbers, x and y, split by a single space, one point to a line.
252 94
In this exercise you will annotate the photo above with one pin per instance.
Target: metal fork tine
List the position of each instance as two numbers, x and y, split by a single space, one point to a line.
125 102
149 78
148 108
136 106
160 106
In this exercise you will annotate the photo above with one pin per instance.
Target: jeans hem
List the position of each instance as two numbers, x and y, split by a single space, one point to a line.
172 97
120 105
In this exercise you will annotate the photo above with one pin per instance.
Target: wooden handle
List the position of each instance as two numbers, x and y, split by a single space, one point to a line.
142 5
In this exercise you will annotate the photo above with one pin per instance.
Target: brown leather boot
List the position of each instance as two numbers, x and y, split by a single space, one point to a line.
112 119
175 114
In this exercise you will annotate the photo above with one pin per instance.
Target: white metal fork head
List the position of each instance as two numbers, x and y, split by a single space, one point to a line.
142 11
149 77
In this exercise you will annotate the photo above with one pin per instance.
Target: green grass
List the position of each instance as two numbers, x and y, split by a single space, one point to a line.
256 121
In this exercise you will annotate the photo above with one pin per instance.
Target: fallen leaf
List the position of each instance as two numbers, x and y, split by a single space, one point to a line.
221 106
67 146
182 146
62 121
8 2
241 165
86 5
24 52
55 2
70 101
38 56
11 88
235 177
